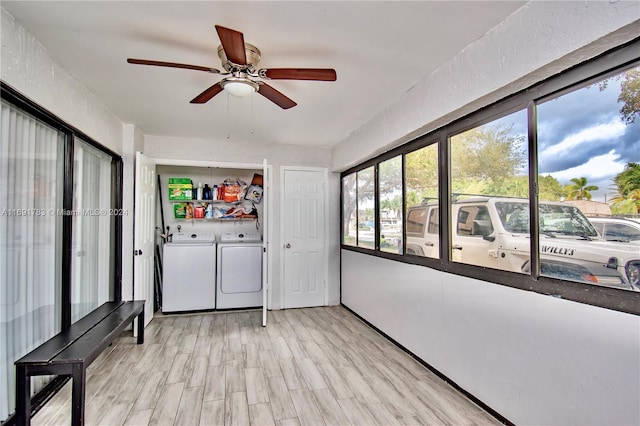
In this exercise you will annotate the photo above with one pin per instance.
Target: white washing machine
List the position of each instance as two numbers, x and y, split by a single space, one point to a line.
239 277
189 274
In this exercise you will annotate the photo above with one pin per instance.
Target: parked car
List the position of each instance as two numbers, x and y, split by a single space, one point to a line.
617 229
494 232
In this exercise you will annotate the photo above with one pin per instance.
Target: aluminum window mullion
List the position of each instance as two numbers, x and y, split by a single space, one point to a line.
534 212
376 206
403 212
116 226
67 229
444 197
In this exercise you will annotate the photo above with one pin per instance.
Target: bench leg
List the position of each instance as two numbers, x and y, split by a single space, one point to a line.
23 396
141 327
77 395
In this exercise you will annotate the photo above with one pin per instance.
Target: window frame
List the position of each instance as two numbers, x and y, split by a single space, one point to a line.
607 64
71 134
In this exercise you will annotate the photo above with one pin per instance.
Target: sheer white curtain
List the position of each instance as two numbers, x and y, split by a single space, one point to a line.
91 246
31 171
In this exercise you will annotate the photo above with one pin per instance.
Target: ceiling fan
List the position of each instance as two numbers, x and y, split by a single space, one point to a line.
240 60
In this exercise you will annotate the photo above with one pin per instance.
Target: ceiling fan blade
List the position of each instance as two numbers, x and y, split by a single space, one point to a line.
172 65
320 74
233 45
276 97
207 94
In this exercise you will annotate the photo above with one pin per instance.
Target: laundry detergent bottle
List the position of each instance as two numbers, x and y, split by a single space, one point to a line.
199 197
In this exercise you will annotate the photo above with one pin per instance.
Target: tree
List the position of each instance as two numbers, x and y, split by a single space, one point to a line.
627 184
549 188
348 202
390 183
394 204
628 179
579 190
487 153
629 205
421 170
629 93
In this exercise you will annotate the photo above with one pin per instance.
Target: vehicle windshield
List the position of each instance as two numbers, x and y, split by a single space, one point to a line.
554 219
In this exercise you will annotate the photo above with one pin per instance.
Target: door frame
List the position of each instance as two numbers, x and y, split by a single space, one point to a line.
149 306
325 182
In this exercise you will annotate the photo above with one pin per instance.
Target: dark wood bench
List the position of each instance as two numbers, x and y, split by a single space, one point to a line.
70 352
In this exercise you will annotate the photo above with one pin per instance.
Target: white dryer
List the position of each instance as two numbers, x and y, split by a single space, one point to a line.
188 278
239 276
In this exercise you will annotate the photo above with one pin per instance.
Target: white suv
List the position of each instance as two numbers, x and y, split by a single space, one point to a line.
618 229
494 232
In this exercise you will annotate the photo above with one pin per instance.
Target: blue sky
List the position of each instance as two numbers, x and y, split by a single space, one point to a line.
581 134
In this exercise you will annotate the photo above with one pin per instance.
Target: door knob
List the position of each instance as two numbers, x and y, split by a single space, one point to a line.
137 252
288 245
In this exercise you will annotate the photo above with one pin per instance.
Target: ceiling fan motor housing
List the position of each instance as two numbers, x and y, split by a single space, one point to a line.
253 57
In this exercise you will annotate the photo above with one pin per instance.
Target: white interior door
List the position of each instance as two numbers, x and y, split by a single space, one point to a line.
145 195
303 223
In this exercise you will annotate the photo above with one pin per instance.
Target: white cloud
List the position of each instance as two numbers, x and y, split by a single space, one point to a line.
612 130
598 167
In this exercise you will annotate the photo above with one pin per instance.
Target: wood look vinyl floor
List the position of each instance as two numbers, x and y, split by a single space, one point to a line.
314 366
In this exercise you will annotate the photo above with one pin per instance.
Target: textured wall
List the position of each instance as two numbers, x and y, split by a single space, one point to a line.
537 41
27 67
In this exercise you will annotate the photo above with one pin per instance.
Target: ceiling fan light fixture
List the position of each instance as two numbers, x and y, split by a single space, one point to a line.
239 87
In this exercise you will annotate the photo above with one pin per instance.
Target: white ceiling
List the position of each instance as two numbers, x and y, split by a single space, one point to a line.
379 50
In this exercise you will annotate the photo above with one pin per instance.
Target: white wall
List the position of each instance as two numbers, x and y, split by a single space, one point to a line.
27 67
534 359
537 360
537 41
253 152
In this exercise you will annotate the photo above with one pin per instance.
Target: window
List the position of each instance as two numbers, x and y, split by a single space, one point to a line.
366 218
619 232
434 222
349 204
59 245
390 205
416 218
584 134
586 137
31 176
92 237
421 198
489 186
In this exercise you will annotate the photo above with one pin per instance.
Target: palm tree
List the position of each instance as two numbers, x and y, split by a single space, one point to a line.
630 203
580 190
627 186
